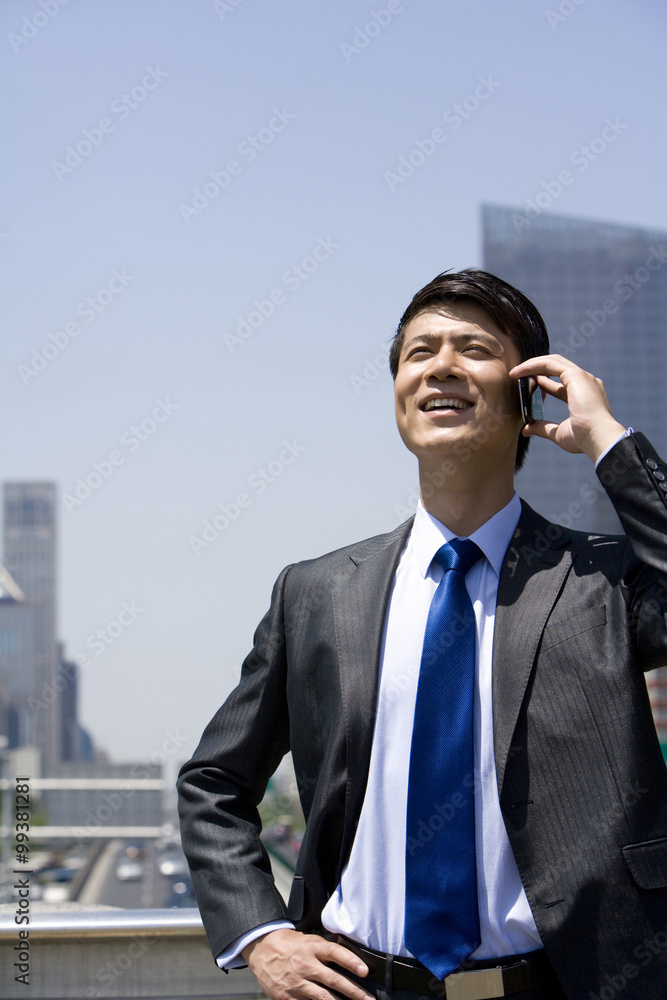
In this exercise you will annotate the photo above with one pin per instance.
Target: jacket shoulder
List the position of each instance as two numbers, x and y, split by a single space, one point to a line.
536 536
531 522
339 559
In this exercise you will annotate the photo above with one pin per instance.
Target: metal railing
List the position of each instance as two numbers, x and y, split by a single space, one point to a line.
110 953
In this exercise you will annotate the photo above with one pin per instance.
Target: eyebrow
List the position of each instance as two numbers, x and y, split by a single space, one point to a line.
459 337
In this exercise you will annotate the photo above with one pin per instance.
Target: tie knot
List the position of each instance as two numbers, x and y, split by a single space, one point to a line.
460 554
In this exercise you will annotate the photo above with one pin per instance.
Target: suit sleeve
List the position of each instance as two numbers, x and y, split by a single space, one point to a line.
221 787
635 478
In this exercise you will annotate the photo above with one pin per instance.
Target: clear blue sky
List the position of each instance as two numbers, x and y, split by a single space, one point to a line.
313 110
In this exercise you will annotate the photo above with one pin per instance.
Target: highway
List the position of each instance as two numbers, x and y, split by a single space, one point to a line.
151 888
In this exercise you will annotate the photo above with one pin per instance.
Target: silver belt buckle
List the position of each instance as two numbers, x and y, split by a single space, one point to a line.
480 984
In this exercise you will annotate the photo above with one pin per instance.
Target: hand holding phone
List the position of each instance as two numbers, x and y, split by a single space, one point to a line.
532 407
590 427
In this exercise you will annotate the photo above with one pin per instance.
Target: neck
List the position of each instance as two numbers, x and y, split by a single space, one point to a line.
465 500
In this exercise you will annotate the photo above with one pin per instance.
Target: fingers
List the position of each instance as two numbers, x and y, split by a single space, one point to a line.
289 965
344 986
571 377
327 953
591 426
539 369
556 389
546 364
542 428
347 959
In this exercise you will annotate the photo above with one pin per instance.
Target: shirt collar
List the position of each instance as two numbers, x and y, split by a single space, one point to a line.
493 537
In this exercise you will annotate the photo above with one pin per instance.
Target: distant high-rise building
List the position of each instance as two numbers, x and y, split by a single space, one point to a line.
30 558
69 696
76 744
17 663
602 289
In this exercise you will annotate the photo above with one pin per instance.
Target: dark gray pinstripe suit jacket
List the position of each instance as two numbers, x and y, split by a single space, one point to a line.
583 787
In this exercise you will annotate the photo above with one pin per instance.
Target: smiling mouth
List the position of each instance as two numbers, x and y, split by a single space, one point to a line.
444 403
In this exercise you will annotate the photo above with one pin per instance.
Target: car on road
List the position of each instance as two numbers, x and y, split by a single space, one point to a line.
129 870
173 863
136 849
181 894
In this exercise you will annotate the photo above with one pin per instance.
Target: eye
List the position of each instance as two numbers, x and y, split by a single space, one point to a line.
420 349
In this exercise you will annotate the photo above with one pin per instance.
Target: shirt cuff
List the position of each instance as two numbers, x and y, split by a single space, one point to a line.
625 434
231 957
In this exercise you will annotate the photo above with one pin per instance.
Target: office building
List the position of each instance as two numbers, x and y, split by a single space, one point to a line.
17 660
76 743
30 559
602 289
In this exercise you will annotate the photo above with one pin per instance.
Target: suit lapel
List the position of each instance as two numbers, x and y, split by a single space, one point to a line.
360 597
533 573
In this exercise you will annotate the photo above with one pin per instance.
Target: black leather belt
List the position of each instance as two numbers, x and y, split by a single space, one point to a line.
485 979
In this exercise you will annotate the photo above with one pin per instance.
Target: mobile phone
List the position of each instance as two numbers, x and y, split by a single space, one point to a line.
531 402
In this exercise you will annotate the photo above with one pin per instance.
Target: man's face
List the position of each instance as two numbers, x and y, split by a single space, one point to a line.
454 397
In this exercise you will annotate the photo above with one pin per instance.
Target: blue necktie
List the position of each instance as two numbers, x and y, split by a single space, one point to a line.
441 915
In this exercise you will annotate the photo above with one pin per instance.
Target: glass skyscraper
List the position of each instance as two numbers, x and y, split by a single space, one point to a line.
602 289
30 558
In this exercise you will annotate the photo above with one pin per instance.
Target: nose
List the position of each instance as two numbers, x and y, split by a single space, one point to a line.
446 363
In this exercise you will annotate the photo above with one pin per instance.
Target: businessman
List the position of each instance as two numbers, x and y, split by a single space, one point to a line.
464 700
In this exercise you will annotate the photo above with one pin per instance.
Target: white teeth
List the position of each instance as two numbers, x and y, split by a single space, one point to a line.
441 404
